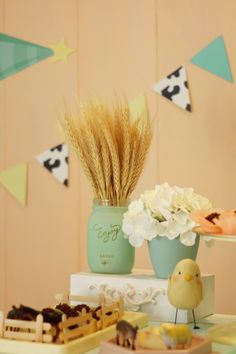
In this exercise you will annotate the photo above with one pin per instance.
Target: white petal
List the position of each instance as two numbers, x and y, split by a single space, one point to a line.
127 228
161 228
172 236
165 212
181 217
135 207
188 238
136 240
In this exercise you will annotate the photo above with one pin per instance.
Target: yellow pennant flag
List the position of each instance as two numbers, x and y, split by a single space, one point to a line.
14 179
138 107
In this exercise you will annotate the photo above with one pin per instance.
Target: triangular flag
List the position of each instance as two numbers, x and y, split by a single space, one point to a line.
14 179
214 58
56 160
17 54
174 87
137 107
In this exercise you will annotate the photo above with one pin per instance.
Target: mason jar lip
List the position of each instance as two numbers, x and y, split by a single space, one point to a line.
105 203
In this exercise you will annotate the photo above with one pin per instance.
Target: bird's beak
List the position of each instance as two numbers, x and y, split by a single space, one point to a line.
188 277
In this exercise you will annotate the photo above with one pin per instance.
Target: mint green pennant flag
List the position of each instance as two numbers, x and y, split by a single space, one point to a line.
214 59
17 54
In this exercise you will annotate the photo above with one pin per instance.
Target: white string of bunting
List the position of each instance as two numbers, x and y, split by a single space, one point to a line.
213 58
174 87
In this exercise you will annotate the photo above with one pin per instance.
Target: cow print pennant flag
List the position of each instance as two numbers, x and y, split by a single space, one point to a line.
175 88
56 160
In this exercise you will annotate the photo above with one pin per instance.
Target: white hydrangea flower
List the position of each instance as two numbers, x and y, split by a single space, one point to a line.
141 225
163 211
159 201
181 199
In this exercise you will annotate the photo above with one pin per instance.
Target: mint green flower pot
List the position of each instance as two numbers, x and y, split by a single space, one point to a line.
165 254
108 250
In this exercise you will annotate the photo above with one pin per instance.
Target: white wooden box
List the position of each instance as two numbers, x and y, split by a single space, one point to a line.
142 291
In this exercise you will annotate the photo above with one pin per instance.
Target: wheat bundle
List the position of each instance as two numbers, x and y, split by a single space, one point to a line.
111 145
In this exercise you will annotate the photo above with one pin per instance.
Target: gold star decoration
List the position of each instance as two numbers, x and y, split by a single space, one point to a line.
61 51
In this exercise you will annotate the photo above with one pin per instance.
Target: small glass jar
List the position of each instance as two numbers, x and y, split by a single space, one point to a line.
108 250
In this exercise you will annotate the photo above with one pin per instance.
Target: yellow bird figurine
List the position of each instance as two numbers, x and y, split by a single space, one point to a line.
185 287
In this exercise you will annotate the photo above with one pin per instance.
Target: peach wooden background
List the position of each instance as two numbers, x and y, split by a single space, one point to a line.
121 46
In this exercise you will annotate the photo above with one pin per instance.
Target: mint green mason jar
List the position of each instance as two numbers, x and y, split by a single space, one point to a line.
108 250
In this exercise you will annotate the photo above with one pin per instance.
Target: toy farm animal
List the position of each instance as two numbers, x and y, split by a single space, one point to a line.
127 333
176 336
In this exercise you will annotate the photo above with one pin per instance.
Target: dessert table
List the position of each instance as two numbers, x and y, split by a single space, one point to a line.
204 324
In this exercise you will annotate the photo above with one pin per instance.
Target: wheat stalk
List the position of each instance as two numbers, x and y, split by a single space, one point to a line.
112 147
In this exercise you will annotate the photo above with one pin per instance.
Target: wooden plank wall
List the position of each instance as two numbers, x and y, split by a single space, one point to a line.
117 55
42 239
2 165
199 149
121 46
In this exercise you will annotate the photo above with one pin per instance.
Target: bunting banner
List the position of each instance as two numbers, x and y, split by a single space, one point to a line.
174 87
138 107
17 54
56 161
214 59
14 179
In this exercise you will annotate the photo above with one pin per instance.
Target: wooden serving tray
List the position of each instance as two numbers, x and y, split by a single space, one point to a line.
199 345
77 346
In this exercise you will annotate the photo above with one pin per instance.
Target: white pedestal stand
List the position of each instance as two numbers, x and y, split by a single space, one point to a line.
142 291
